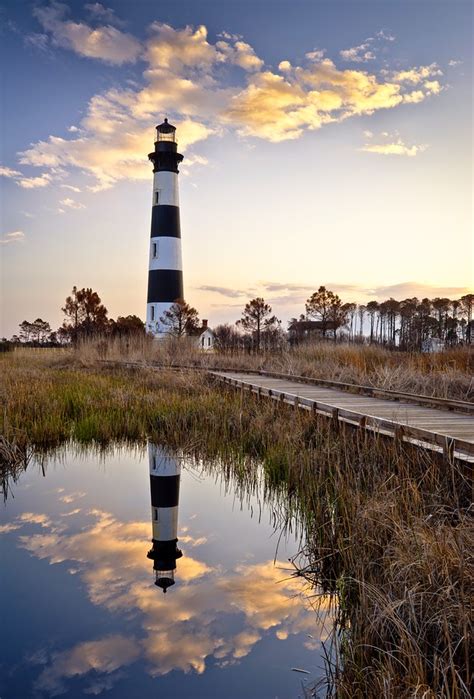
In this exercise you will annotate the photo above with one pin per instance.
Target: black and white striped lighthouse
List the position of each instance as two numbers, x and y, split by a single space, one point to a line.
165 472
165 272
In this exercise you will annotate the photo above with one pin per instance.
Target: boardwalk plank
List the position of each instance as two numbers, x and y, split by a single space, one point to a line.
431 427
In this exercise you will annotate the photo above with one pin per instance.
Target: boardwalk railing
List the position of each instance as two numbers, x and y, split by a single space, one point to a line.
445 403
439 429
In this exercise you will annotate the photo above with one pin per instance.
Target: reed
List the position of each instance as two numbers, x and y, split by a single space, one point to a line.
388 526
445 374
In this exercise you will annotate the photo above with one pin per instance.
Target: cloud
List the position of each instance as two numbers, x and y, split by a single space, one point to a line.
365 52
71 187
105 656
432 86
277 293
9 172
13 237
114 143
386 36
71 497
416 289
37 41
396 148
34 182
176 49
72 204
240 54
21 180
105 43
7 528
452 63
415 76
224 290
187 77
98 12
315 55
278 286
279 108
358 54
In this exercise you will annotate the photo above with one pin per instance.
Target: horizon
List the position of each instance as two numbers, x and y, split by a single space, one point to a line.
356 129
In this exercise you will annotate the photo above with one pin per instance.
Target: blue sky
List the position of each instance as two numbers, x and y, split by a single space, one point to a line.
324 142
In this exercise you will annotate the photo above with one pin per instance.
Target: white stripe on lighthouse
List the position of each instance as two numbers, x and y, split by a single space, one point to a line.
166 184
161 464
165 523
153 322
165 253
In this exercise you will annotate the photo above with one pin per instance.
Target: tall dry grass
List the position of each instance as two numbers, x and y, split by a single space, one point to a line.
446 374
389 527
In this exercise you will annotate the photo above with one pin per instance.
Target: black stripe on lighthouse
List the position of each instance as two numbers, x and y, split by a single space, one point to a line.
165 221
165 285
164 491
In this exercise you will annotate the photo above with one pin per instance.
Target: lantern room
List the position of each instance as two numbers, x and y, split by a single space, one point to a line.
165 132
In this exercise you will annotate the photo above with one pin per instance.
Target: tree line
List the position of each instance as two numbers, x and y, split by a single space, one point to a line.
404 324
84 316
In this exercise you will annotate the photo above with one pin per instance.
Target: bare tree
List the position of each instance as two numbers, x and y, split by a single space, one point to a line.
180 319
467 302
226 338
350 310
85 313
441 306
361 311
25 331
127 326
41 330
372 308
38 331
337 314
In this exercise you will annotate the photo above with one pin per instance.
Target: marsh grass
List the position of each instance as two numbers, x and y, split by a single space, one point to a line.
446 374
388 527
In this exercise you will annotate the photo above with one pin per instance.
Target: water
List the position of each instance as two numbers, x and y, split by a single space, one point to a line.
82 614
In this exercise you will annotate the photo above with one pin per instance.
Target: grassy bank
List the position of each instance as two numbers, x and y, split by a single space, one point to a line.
389 529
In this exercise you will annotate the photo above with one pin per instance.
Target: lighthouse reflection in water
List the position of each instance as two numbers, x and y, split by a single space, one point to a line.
165 474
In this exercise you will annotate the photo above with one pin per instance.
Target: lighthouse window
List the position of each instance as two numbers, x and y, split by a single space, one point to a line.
152 313
154 250
157 197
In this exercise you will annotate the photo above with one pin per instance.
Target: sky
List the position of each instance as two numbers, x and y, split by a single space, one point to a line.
324 142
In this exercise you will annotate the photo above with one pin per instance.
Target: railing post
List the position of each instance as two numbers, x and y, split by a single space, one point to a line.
398 434
448 449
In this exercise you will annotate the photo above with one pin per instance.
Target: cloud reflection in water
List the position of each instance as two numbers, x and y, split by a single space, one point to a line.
182 631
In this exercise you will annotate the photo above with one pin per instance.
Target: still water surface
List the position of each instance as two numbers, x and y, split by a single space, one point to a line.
82 615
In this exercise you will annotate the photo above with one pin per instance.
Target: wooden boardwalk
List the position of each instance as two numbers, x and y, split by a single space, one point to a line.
447 431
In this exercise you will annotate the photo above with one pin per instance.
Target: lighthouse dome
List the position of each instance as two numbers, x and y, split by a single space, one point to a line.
166 127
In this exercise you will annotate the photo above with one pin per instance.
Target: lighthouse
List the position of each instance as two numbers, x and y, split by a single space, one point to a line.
165 272
165 472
